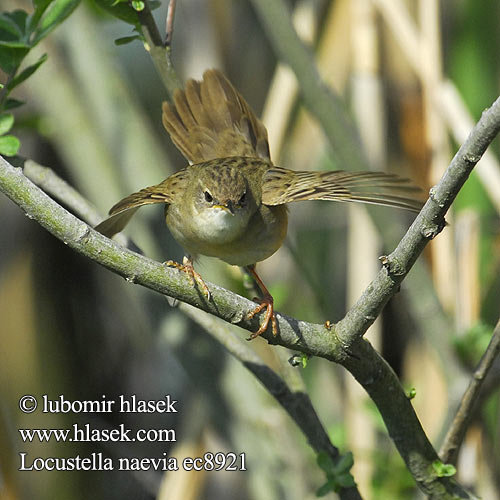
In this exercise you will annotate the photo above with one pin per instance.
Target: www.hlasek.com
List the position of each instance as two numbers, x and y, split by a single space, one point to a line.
86 433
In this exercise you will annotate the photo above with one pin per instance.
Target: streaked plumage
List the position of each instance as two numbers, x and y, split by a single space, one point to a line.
230 201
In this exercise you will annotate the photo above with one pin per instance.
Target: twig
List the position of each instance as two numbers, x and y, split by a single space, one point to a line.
428 223
328 110
455 436
296 403
169 23
51 183
160 53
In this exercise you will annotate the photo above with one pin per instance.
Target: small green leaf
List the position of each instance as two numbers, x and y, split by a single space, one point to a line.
443 470
40 8
127 39
58 11
119 10
411 393
27 72
325 489
6 122
9 30
12 103
11 57
345 480
325 461
9 145
304 359
154 4
18 18
138 5
344 464
15 44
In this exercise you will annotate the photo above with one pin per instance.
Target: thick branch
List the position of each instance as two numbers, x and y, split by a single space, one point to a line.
296 403
455 436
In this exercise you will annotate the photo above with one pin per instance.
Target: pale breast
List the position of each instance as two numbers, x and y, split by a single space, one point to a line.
222 237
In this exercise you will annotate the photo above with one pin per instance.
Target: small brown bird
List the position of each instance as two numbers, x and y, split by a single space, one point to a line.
230 202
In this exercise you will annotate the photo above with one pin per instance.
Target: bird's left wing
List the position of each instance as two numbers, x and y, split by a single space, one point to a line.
281 186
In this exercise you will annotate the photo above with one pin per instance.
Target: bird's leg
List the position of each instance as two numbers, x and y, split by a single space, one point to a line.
188 268
266 302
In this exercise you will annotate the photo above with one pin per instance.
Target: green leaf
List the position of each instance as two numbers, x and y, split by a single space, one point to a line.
11 57
345 480
154 4
325 489
40 8
9 145
138 5
6 122
18 19
337 472
120 10
26 73
12 103
411 393
443 470
58 11
9 30
127 39
344 464
325 461
16 44
304 360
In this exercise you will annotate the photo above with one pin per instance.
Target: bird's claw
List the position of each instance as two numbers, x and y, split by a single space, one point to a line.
195 277
268 304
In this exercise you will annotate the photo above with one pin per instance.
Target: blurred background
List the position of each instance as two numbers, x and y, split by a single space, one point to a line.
414 76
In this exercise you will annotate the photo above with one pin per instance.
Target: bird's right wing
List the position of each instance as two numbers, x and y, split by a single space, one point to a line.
122 211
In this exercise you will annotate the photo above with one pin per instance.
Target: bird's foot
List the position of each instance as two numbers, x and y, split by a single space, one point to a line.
188 268
267 303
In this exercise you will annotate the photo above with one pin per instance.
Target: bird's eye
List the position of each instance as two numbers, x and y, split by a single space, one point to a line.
208 197
243 198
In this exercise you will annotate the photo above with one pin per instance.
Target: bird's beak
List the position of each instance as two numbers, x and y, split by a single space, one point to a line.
228 205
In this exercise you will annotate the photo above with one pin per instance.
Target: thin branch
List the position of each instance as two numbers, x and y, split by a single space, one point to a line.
328 109
428 223
160 53
59 189
296 403
169 23
456 434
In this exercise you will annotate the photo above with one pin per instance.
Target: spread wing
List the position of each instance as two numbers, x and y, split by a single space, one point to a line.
210 119
122 211
281 186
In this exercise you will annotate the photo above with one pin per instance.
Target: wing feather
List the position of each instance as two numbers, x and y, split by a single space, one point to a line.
282 186
210 119
121 212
